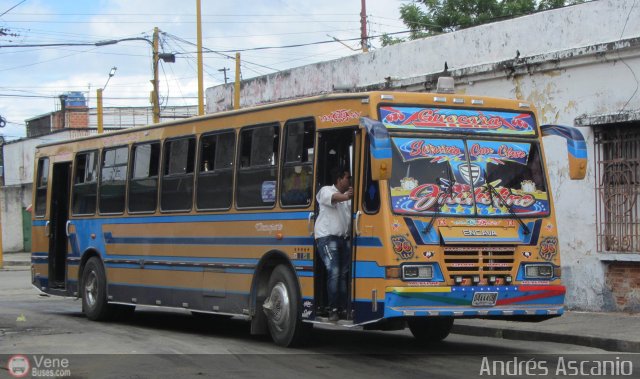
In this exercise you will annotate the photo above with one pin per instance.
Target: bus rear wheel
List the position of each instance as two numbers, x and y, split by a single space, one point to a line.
94 291
430 329
283 308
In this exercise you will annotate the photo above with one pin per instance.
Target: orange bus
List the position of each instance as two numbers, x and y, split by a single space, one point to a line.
452 213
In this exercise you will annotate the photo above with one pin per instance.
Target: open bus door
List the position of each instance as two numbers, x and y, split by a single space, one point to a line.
57 224
336 148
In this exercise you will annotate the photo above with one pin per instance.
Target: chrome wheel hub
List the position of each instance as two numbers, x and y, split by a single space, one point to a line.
91 289
276 306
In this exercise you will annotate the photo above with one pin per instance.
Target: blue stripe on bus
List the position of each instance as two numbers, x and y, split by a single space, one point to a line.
174 258
262 216
239 240
369 269
172 288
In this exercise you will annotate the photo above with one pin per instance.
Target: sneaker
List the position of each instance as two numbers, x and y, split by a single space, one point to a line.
333 315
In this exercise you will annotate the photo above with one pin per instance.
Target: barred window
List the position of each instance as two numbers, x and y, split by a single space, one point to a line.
617 163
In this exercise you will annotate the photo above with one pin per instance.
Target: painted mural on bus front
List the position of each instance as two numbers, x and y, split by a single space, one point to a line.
472 177
459 120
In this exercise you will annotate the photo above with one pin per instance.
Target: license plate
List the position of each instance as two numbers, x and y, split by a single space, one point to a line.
484 299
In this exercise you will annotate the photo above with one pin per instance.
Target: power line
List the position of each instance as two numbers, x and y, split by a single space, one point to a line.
9 10
302 44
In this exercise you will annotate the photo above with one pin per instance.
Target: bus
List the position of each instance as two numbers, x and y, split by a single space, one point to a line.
452 213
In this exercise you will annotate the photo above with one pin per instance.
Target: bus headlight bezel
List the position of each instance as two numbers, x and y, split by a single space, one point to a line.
538 271
417 272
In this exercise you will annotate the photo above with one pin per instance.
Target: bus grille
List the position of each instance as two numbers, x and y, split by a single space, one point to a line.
480 261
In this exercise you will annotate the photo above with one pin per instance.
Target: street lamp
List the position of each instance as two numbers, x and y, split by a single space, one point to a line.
166 57
99 99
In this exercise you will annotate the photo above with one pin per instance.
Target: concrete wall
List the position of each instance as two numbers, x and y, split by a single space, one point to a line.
567 28
572 63
16 193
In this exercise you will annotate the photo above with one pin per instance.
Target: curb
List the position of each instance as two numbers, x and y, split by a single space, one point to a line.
608 344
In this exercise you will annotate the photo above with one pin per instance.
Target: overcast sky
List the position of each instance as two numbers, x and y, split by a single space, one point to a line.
31 78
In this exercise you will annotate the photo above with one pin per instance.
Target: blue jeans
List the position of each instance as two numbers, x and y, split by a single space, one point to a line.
335 253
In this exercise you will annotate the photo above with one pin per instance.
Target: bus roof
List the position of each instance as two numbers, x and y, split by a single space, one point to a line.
373 96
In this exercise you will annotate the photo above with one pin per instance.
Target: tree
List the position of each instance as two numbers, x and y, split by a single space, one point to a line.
429 17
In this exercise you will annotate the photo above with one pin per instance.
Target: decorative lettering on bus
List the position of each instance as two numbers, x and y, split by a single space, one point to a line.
481 121
426 195
340 116
479 233
260 227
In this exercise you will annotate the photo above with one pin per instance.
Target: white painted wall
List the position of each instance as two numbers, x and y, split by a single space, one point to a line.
569 65
16 193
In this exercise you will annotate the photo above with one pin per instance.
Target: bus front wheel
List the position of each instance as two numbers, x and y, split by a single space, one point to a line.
283 308
430 329
94 291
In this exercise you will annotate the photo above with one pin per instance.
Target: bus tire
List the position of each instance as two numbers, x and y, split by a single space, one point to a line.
94 291
430 329
283 308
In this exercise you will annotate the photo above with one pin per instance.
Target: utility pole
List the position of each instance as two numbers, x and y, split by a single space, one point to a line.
236 89
155 96
200 64
363 27
224 70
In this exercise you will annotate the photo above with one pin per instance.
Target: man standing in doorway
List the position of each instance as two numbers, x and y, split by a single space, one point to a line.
332 232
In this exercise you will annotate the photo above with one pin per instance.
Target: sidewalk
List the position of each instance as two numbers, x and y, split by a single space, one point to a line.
604 330
16 261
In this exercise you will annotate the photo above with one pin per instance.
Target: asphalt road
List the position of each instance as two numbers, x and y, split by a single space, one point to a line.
156 343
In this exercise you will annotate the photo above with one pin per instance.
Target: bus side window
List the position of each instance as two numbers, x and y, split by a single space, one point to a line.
215 171
371 198
85 185
297 170
177 177
113 176
258 167
41 187
143 184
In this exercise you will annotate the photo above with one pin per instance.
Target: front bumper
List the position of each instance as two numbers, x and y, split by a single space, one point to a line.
514 300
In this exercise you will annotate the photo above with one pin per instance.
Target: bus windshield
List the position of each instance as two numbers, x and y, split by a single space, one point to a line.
453 177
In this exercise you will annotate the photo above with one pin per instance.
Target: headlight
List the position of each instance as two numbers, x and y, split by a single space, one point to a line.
538 271
417 272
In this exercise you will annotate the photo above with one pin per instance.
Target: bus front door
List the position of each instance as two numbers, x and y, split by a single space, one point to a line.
336 148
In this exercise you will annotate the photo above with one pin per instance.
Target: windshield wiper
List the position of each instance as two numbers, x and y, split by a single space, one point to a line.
449 191
493 191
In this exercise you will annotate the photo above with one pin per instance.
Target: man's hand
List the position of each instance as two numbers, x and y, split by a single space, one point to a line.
349 193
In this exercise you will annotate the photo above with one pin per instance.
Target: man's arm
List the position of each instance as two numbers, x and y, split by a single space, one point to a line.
340 197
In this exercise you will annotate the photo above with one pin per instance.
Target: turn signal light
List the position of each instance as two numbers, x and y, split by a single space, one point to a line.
392 272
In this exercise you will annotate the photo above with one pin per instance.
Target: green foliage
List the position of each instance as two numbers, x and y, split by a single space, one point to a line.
429 17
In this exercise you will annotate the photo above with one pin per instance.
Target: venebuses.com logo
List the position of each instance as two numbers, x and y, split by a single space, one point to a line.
18 366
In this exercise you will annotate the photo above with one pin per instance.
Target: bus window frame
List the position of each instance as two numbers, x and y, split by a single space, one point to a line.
239 168
232 169
46 187
126 180
162 175
465 137
130 174
366 176
73 182
283 153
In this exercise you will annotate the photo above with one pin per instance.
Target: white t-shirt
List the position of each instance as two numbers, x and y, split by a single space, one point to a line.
333 219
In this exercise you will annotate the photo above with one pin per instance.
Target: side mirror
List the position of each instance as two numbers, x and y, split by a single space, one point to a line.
379 148
576 147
